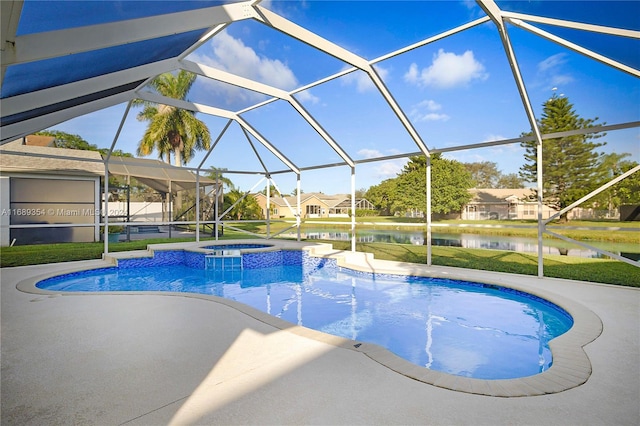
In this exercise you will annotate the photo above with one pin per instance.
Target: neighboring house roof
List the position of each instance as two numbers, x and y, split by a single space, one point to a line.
40 140
330 201
17 157
499 195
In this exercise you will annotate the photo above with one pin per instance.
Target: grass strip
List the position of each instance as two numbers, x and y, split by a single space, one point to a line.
605 271
569 267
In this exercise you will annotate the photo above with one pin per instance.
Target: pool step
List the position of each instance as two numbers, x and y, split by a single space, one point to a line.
223 260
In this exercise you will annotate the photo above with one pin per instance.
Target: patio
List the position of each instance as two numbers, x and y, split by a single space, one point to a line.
162 359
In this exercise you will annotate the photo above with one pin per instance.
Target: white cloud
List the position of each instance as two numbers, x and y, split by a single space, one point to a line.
389 169
285 9
552 62
561 79
493 138
369 153
550 71
412 76
307 97
447 70
384 169
232 55
427 111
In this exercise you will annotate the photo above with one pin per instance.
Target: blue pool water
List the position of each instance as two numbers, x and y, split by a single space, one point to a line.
456 327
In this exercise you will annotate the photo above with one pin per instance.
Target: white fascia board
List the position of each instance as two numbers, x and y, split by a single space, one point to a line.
190 106
283 25
14 131
576 48
574 25
53 95
235 80
51 44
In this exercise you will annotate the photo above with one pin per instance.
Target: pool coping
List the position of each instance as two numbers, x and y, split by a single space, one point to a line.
571 366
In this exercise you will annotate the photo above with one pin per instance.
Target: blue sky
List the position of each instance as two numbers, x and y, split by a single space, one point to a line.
456 91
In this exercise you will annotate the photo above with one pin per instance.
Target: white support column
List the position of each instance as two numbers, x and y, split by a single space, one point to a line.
170 208
298 205
105 233
268 206
106 179
353 208
198 206
215 206
541 223
428 181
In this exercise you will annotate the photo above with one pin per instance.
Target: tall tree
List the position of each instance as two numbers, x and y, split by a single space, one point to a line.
626 191
485 174
450 183
72 141
382 195
510 181
218 174
570 164
171 129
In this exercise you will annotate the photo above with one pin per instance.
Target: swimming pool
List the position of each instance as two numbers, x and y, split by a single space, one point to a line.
461 328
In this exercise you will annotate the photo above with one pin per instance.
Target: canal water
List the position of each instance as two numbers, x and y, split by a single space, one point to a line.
518 244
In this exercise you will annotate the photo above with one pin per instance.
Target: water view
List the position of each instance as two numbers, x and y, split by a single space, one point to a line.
492 242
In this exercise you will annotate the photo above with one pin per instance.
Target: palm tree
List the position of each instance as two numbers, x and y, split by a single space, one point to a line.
172 129
217 174
247 207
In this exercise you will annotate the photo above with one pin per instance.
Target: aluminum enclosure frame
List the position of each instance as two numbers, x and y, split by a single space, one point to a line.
29 112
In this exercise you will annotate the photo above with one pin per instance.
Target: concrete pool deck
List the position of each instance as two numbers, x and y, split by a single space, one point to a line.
166 359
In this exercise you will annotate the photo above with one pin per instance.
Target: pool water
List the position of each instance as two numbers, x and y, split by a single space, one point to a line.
460 328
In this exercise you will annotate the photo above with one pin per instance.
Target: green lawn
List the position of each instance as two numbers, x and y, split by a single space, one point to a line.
628 232
569 267
585 269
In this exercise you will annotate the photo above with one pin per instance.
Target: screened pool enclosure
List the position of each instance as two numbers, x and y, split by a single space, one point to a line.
301 94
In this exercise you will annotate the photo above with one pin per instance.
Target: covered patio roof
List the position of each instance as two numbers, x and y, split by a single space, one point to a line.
157 174
17 157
